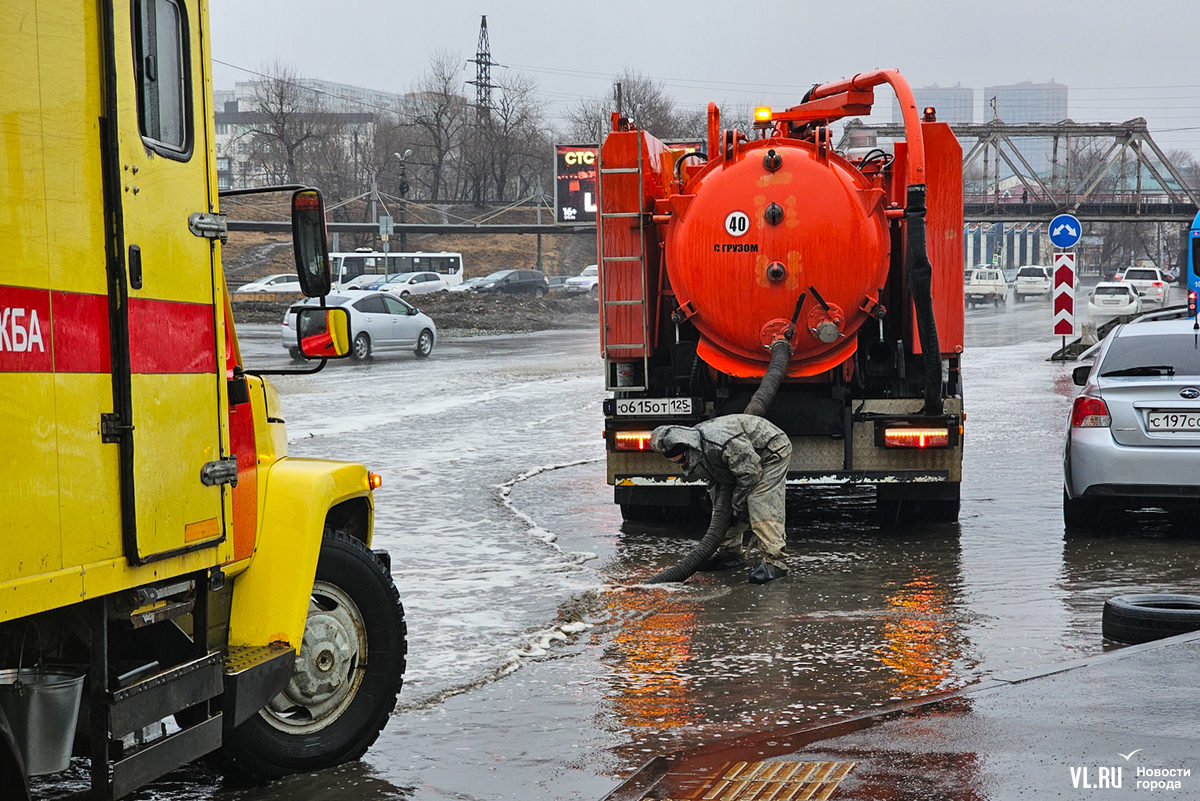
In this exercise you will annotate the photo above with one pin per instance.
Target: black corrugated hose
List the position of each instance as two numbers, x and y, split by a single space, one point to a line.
920 280
722 516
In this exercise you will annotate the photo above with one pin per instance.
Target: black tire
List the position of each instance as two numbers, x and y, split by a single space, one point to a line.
540 292
1133 619
353 596
424 344
1018 298
361 348
1080 513
295 354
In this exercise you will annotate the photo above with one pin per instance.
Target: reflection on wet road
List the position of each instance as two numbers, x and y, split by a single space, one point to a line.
504 538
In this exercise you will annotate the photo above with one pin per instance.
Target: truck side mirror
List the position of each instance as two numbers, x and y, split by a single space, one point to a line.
309 242
323 333
1079 375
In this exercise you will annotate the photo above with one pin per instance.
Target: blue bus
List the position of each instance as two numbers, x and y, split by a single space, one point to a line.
1193 266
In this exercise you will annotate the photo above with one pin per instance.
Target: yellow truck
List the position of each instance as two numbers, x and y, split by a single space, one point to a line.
172 583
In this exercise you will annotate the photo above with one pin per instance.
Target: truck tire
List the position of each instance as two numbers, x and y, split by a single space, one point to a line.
348 673
13 782
1133 619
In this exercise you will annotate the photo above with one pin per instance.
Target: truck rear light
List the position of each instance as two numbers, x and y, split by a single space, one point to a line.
632 440
1157 283
907 437
1090 412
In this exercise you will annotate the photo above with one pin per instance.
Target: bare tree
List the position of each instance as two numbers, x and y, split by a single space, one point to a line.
642 99
287 123
438 115
521 140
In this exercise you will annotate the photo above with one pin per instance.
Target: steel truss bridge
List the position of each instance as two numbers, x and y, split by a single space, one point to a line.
1125 176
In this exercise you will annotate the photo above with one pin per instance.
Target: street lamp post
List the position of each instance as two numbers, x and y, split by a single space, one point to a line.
403 195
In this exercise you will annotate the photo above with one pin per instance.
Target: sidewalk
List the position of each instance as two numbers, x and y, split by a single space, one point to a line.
1103 727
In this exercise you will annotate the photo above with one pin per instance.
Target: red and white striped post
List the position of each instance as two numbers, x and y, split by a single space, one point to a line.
1064 295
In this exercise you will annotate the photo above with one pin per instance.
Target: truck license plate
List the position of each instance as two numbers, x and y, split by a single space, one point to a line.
654 407
1173 421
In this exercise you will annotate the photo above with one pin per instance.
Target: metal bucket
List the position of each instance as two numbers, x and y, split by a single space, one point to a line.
42 707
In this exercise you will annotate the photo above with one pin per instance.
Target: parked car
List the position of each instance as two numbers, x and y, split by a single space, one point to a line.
586 281
1134 434
378 321
365 280
515 282
1113 298
467 285
557 283
1033 280
986 285
405 284
280 282
1148 281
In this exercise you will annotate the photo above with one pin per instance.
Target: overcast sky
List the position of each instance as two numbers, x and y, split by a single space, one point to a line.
1119 59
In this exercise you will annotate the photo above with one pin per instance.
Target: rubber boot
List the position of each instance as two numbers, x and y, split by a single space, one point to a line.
765 571
721 561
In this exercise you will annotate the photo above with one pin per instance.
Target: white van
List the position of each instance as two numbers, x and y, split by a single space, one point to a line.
353 269
986 285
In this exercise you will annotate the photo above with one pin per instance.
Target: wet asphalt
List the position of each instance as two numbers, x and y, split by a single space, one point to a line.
538 670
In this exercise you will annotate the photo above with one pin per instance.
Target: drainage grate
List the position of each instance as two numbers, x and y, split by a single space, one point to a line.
779 781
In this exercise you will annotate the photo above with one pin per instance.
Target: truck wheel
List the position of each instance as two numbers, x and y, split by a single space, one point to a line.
1145 617
348 673
362 347
13 784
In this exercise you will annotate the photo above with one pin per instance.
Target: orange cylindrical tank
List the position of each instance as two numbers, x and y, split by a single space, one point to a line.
749 234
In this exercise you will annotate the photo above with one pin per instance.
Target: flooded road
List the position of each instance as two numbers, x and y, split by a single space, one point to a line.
537 672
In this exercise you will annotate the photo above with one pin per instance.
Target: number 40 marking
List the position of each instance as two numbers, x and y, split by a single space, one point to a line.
737 223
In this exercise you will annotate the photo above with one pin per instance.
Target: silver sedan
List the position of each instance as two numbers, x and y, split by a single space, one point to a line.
1134 435
378 322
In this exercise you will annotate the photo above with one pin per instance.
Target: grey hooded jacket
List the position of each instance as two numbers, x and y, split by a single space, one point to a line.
726 450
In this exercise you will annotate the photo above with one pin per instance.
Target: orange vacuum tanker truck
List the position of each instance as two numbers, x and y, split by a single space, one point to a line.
853 256
173 584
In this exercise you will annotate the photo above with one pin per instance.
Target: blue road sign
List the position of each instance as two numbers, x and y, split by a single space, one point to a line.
1065 231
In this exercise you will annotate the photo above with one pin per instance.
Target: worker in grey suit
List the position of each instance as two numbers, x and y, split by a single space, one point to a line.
752 455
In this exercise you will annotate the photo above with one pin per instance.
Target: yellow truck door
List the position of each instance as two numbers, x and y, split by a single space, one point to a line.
168 356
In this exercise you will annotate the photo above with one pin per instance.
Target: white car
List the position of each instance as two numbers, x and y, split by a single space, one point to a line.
467 285
586 281
1148 281
1113 298
280 282
378 321
1033 280
405 284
